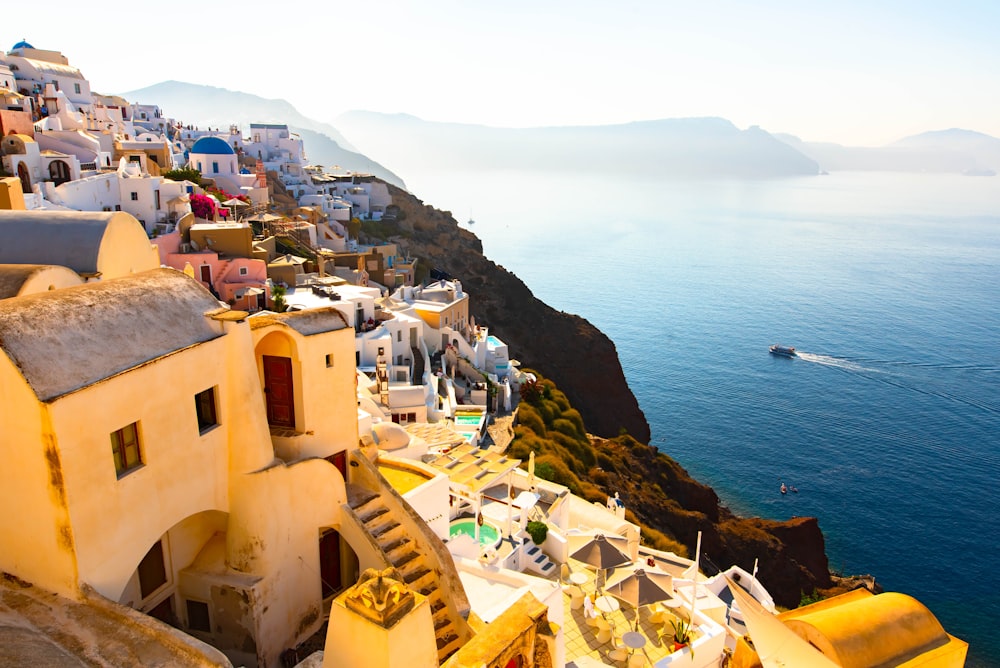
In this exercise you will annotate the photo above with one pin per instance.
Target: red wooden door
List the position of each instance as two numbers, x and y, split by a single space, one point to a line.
278 391
329 562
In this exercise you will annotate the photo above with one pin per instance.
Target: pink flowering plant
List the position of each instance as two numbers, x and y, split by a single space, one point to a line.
202 206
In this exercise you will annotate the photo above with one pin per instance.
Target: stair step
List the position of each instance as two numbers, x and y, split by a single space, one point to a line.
540 559
383 529
533 550
362 501
400 542
440 624
406 560
416 575
548 567
444 641
373 514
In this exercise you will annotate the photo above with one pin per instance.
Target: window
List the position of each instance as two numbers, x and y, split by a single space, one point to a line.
156 199
243 271
76 88
125 448
215 168
399 335
135 197
198 616
329 360
204 404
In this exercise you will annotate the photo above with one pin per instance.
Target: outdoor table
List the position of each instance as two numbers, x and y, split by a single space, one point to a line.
578 578
606 604
634 640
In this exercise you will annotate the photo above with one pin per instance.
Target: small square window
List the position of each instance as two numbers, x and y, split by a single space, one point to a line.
198 616
244 271
204 403
329 360
125 449
135 197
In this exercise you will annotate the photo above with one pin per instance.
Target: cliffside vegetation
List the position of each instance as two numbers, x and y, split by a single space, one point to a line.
663 499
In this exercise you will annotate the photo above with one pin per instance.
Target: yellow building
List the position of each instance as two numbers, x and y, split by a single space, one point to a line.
180 458
858 629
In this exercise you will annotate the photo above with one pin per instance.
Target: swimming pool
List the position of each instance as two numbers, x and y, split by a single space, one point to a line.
489 535
494 341
468 418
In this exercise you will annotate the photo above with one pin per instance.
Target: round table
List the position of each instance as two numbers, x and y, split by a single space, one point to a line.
634 640
606 604
578 578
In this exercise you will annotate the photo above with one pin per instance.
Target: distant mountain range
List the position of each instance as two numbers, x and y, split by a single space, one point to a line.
208 106
676 148
670 148
956 151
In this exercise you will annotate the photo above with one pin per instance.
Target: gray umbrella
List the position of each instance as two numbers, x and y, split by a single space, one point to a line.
599 551
640 586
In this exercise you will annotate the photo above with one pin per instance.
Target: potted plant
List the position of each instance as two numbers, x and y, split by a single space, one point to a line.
682 634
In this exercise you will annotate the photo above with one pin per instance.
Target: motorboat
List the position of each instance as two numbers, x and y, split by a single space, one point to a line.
785 351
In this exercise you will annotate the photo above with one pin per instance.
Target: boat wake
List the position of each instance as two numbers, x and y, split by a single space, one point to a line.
894 374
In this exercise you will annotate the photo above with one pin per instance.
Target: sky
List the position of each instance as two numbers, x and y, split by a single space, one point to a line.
856 73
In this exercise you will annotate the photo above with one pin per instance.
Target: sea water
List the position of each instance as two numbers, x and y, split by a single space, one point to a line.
888 422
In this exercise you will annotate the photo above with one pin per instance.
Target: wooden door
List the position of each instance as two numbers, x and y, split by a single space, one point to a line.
329 562
279 391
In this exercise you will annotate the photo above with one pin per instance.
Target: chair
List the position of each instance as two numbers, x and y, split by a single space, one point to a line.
619 651
637 660
656 617
576 598
564 573
589 613
603 630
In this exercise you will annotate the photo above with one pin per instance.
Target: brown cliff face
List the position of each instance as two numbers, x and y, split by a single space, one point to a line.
584 363
572 352
663 496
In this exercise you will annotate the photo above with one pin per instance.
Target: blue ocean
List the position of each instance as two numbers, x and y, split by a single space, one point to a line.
888 422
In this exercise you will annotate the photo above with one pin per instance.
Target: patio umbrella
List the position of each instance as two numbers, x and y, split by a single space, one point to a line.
638 586
600 551
232 201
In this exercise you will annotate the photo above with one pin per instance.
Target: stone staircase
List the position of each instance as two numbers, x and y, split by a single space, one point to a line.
537 560
403 553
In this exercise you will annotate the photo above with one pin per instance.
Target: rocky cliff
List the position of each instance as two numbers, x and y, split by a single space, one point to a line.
572 352
584 364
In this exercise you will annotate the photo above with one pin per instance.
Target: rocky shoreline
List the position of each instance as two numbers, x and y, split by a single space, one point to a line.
584 363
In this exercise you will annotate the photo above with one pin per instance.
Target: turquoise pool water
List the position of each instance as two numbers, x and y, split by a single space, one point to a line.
468 419
494 341
489 535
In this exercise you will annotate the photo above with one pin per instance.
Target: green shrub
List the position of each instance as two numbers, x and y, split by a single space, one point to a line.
538 531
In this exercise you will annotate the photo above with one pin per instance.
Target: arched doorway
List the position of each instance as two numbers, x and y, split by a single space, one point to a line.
22 173
59 172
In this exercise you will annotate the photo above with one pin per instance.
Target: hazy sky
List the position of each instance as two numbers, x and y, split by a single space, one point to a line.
862 73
